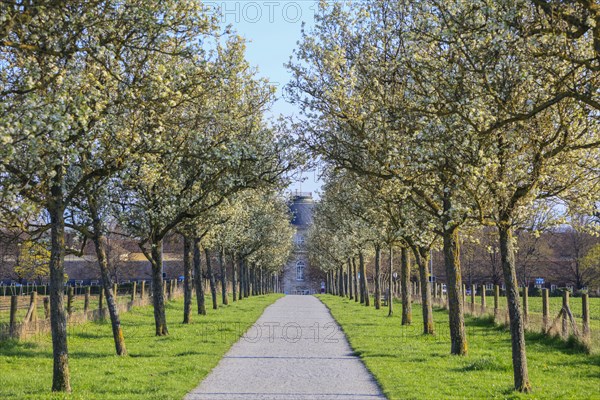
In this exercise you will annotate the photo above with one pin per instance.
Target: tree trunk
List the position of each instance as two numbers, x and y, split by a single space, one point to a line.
198 278
363 279
357 295
234 276
341 281
422 259
100 246
259 281
252 273
377 300
350 285
222 261
212 280
58 317
187 279
405 286
242 284
247 280
391 287
517 331
458 335
241 281
158 298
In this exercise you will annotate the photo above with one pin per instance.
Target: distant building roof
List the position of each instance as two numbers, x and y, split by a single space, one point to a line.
301 207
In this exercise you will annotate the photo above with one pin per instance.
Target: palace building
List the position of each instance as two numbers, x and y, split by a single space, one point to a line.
298 277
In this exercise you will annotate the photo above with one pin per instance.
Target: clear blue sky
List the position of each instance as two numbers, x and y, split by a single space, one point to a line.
272 29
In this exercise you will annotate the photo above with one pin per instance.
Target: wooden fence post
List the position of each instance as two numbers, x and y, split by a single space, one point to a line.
464 294
526 305
473 290
164 288
133 290
116 292
565 320
14 302
143 290
86 300
545 310
46 307
496 302
483 305
586 315
70 300
32 311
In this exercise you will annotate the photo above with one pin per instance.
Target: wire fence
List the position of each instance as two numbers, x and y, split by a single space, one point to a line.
25 310
565 317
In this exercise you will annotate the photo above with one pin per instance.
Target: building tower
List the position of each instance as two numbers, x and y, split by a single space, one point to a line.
298 277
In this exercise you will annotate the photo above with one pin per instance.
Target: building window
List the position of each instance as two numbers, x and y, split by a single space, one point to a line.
300 270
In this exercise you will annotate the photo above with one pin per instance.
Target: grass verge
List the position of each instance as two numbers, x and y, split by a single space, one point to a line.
409 365
156 367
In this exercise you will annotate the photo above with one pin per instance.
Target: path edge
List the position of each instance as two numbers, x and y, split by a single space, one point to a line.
354 352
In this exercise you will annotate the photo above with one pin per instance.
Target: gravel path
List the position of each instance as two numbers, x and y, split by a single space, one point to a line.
295 351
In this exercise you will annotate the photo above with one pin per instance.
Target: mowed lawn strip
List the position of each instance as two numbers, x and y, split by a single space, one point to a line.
156 367
409 365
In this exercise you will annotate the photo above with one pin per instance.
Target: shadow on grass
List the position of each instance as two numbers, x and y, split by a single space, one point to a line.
192 353
143 355
487 363
91 355
22 349
551 343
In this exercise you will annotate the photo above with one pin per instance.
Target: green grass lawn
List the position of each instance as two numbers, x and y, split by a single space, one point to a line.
409 365
156 367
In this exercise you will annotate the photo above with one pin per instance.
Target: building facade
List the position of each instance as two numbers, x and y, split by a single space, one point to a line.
298 276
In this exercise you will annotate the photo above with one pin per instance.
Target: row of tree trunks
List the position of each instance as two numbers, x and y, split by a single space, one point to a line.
355 286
